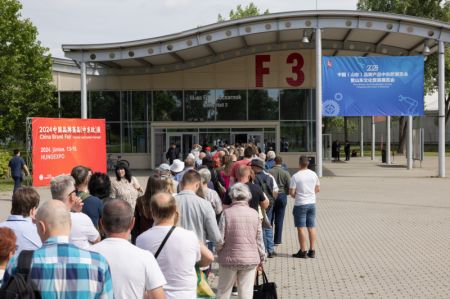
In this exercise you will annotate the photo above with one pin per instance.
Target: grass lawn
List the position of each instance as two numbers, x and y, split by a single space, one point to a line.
6 185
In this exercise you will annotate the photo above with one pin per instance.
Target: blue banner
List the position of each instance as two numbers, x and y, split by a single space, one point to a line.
372 86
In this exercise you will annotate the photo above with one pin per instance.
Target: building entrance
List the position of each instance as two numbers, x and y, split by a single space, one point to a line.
185 135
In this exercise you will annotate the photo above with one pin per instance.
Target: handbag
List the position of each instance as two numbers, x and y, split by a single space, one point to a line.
203 288
264 218
266 290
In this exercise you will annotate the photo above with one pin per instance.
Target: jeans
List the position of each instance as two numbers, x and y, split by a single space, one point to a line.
268 232
278 217
17 182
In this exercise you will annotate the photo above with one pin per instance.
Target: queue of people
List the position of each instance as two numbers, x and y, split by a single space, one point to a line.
118 241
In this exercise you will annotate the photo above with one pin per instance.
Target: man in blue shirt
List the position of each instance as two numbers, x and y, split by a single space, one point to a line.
23 208
60 269
17 164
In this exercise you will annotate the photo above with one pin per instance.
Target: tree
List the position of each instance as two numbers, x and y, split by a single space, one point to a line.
26 87
248 11
432 9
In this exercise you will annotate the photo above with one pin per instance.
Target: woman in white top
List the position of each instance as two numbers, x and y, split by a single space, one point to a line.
125 186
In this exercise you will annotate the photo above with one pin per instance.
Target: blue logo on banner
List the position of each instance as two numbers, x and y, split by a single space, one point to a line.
372 86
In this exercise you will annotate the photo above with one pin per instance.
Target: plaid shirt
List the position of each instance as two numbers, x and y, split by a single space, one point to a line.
62 270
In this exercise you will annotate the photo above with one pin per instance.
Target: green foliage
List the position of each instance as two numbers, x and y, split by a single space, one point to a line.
431 9
248 11
4 159
26 87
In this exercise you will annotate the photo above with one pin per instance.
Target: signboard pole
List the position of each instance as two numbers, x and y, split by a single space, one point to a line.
388 140
441 104
373 138
319 102
410 143
361 142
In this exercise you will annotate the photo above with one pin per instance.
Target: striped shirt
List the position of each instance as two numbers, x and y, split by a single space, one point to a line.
62 270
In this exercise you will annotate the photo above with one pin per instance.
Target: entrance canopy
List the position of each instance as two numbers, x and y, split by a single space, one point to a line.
343 33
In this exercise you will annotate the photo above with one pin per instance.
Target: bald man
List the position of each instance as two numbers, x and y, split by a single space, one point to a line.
89 277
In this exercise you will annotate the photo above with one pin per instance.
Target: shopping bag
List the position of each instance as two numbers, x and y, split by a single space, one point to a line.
203 288
266 290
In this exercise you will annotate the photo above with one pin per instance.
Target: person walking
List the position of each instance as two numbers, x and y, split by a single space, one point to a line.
242 249
125 186
134 271
16 166
25 202
176 250
304 186
347 151
60 269
283 180
172 153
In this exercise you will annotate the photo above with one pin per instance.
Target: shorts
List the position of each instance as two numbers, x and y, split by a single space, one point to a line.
305 215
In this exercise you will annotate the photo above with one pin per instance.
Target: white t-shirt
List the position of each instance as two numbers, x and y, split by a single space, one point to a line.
133 270
177 259
304 182
83 231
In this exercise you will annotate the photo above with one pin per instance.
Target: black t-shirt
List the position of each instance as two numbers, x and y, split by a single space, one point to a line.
257 196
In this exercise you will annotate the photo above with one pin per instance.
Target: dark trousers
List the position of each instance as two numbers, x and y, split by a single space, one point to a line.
278 217
17 182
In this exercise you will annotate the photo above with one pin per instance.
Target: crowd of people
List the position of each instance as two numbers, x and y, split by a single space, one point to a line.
102 237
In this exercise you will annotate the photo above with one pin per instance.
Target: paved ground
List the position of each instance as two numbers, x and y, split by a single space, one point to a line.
384 232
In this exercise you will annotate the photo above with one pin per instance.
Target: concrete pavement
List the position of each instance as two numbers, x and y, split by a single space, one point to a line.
383 232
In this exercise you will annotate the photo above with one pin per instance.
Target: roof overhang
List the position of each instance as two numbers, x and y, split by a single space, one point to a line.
344 33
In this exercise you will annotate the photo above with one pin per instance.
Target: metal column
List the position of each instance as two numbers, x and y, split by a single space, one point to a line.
319 102
441 103
83 90
373 138
388 140
410 144
361 142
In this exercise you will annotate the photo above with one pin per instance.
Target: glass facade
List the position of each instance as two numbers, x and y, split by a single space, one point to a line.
129 115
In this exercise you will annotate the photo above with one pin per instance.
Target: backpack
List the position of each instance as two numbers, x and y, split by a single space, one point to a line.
262 180
19 285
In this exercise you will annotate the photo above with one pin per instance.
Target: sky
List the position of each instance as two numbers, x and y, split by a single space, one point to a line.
100 21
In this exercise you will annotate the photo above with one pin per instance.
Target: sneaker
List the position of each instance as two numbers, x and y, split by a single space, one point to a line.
311 253
271 255
278 244
234 291
300 254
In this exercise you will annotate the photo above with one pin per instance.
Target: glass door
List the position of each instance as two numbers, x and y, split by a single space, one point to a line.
326 147
258 139
183 141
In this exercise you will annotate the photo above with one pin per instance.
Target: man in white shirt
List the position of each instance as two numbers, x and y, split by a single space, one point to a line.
134 271
181 251
304 186
83 232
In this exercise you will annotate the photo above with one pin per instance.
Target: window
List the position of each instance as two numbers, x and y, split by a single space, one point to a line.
134 138
70 104
296 136
231 104
134 105
113 137
295 104
168 105
105 104
263 104
199 105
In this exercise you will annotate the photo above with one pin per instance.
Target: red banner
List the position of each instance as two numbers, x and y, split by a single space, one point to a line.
59 144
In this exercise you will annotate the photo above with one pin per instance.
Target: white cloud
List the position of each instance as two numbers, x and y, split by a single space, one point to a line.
98 21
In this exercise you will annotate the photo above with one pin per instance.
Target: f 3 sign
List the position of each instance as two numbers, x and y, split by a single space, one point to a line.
294 62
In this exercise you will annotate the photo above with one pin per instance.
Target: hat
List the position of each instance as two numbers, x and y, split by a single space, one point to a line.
271 155
177 166
257 163
164 167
